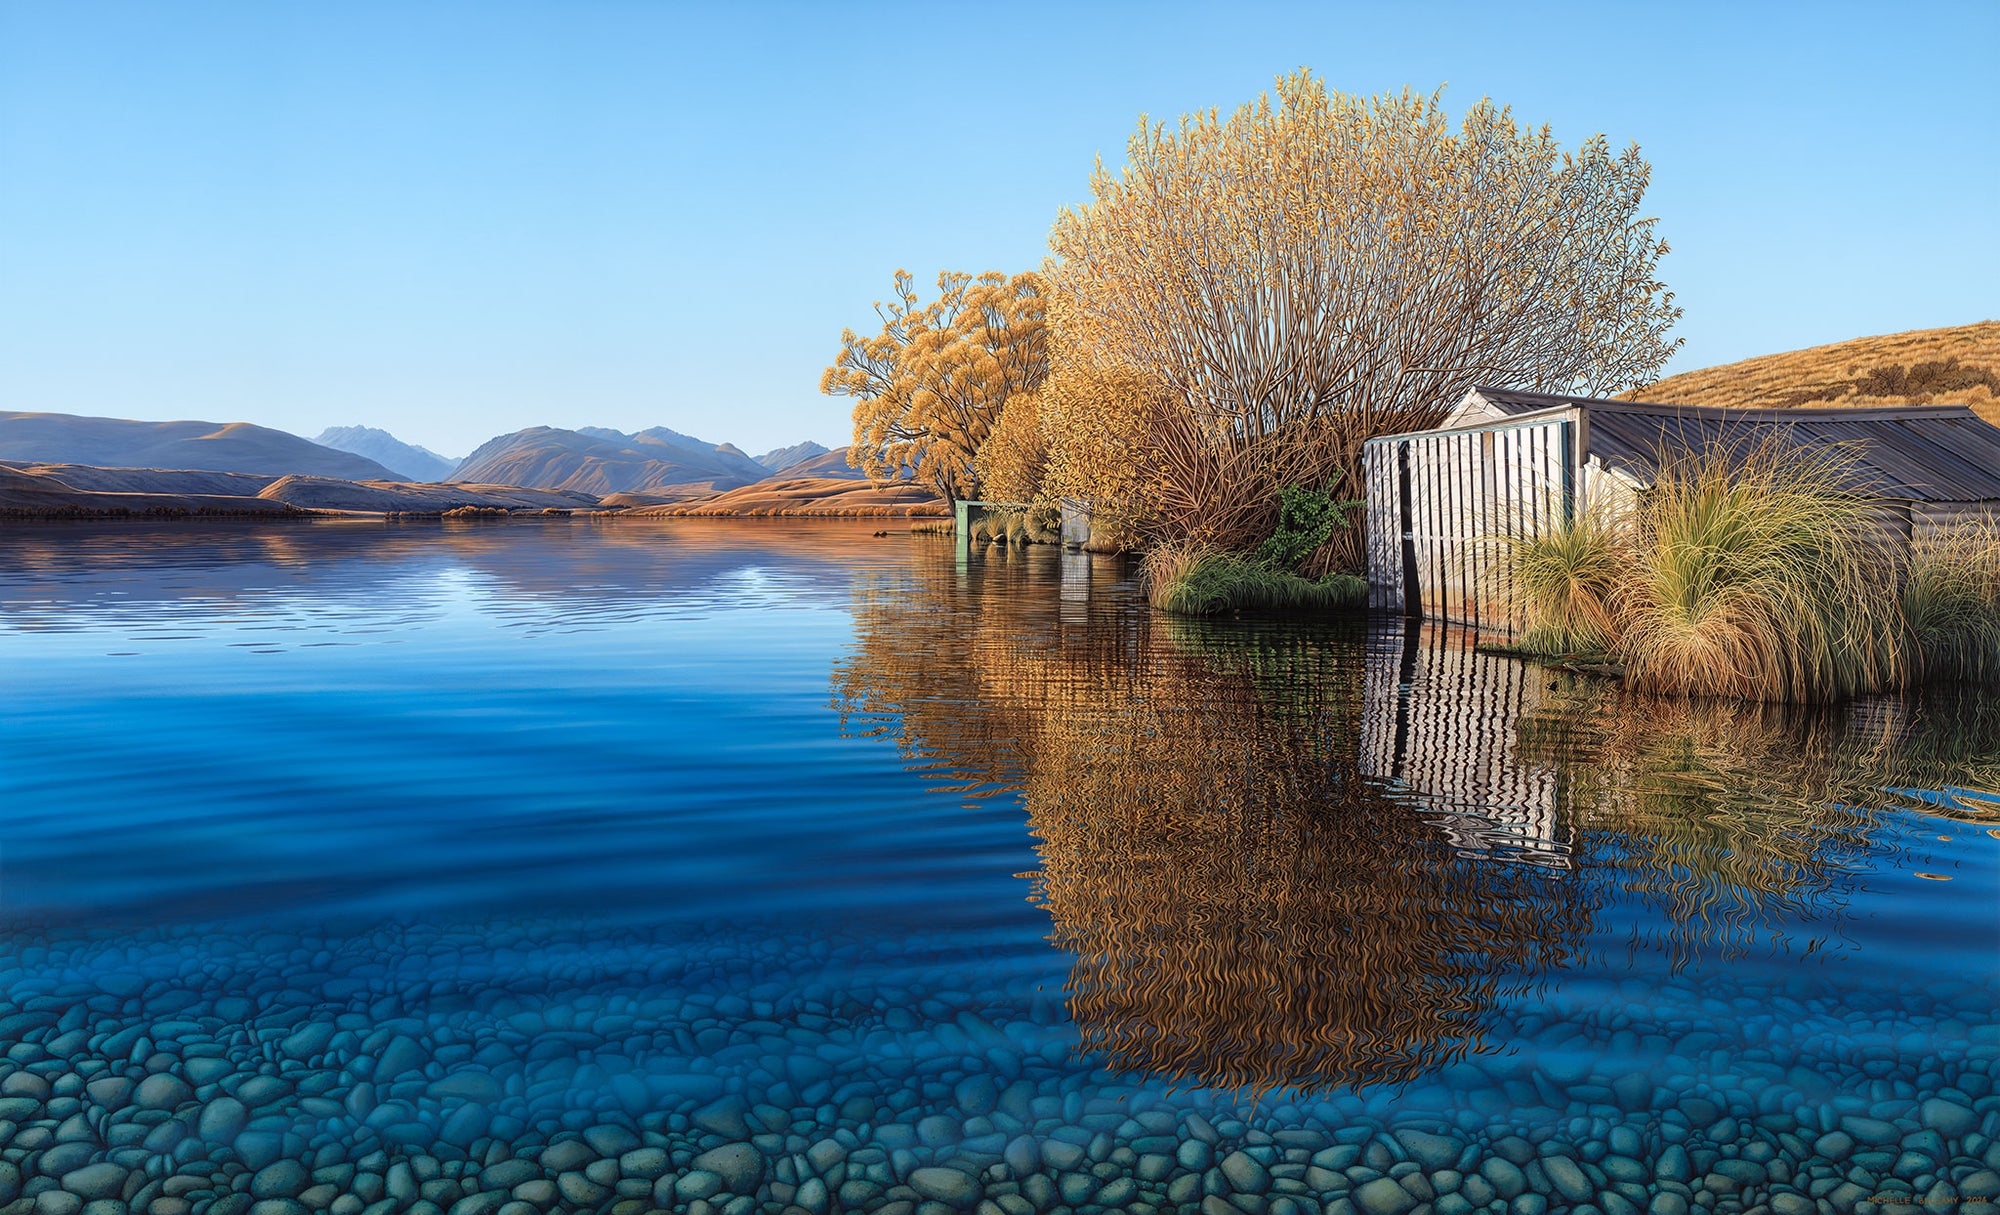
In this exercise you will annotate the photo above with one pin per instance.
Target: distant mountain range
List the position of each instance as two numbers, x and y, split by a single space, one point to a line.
238 447
785 457
411 462
596 460
208 462
831 465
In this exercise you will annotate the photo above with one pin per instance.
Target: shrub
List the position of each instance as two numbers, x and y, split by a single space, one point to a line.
1925 379
1307 519
1045 523
1951 603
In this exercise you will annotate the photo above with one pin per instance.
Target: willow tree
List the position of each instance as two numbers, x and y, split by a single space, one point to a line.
931 386
1096 414
1318 270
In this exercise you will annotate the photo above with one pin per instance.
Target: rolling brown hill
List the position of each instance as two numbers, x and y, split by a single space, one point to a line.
1959 365
72 490
26 492
330 494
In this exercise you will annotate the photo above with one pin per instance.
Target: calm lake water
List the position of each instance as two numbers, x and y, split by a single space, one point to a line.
755 866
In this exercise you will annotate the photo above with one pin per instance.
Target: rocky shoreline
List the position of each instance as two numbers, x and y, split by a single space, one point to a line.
543 1066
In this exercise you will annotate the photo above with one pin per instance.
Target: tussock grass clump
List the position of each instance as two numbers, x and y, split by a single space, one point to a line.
1754 571
1034 525
1188 580
1759 573
1568 584
1951 603
933 527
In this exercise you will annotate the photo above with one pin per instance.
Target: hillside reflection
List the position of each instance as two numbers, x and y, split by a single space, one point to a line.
1312 857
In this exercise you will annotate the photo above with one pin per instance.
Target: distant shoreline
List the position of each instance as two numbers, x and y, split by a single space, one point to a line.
162 514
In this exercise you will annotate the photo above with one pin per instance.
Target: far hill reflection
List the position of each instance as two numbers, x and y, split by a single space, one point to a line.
541 574
1315 856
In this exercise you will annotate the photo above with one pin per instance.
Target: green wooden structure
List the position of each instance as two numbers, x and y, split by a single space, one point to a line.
969 513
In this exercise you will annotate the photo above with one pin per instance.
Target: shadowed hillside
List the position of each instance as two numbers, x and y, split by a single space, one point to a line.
600 461
239 447
1955 366
826 464
410 462
786 457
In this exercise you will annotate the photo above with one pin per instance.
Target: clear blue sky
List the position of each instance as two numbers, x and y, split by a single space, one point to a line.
453 220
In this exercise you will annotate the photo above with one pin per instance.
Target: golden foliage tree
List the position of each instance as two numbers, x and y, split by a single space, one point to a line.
1013 461
1096 414
931 386
1313 272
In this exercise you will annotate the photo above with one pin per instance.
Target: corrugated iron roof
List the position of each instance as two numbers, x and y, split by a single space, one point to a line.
1928 453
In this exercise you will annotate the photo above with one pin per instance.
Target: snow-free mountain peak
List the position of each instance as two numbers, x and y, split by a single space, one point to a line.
411 462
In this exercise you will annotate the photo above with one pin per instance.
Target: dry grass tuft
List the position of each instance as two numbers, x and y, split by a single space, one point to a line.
1951 603
1759 574
1568 582
1754 571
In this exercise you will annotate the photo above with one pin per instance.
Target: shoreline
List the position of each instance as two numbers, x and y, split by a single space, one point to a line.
185 515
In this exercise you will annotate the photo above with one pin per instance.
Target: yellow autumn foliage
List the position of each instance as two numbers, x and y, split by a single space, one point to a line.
1316 270
1014 458
930 387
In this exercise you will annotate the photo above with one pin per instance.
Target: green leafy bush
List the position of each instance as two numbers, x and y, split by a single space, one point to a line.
1306 520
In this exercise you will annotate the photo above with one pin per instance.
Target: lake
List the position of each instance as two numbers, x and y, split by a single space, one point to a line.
734 866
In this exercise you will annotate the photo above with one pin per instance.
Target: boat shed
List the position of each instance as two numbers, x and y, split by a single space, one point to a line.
1519 464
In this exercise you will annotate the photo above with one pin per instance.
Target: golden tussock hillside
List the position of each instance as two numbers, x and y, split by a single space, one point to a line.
810 497
1954 366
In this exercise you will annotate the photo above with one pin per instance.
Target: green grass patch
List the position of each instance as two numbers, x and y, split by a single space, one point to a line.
1209 583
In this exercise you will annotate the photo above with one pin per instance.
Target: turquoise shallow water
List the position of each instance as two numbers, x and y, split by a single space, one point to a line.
761 866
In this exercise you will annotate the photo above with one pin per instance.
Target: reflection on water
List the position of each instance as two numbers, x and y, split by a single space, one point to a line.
1244 908
1267 856
1302 856
1439 722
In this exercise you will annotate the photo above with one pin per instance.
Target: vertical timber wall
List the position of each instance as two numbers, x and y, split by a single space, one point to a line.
1443 504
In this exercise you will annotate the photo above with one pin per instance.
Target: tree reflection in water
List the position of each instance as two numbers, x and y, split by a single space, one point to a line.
1302 857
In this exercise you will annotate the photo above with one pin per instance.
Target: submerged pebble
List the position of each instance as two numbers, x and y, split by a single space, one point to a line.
522 1069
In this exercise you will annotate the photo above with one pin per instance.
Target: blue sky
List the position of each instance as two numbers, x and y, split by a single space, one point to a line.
454 220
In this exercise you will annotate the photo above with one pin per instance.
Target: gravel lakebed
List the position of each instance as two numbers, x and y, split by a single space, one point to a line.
520 1068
